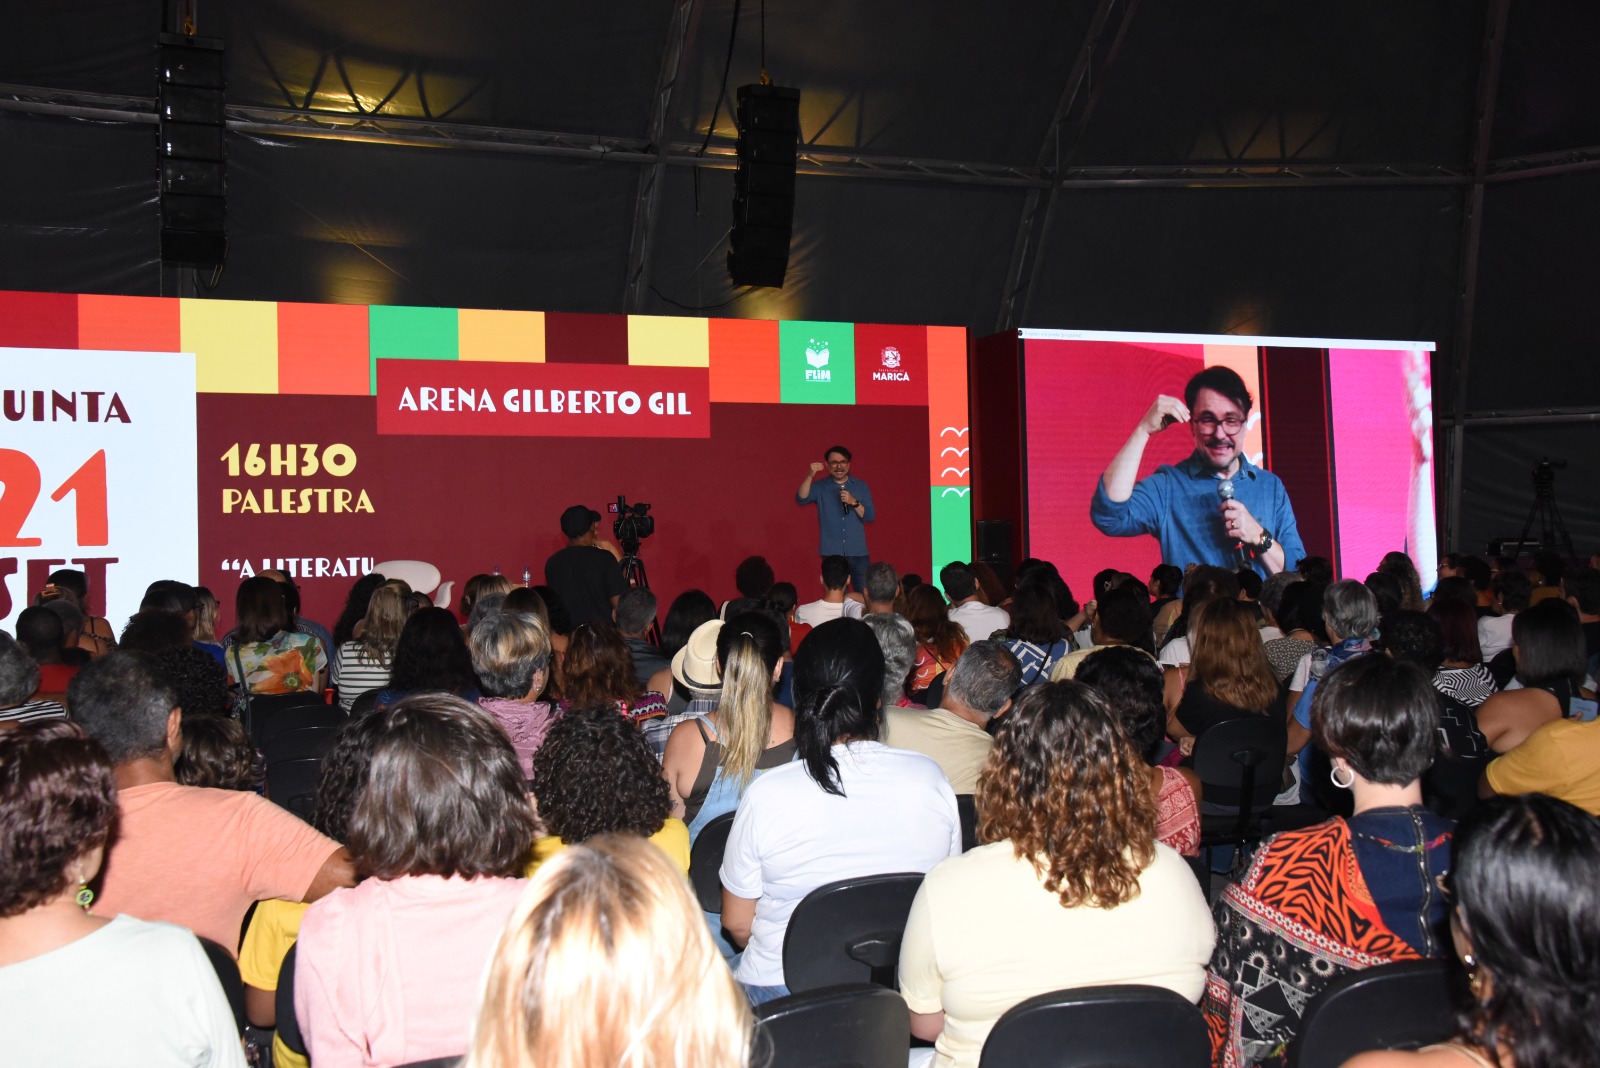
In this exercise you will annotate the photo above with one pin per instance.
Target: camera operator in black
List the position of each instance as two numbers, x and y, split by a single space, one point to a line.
586 574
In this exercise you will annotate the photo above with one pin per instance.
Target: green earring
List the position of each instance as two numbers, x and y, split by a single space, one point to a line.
85 897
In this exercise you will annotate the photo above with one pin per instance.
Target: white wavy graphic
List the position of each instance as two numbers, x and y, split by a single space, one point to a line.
959 491
958 431
959 472
951 448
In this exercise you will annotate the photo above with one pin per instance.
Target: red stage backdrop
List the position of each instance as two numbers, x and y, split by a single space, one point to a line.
331 437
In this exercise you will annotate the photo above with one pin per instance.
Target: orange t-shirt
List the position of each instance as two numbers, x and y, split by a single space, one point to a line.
199 858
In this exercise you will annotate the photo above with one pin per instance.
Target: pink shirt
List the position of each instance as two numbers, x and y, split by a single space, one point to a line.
391 971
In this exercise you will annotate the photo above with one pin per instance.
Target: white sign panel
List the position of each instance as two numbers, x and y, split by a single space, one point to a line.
97 473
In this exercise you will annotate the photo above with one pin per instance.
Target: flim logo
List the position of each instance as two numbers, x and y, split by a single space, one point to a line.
817 357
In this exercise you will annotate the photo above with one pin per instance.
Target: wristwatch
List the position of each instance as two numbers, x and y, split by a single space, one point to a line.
1266 541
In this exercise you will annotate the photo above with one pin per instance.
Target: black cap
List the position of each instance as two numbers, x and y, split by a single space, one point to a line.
576 521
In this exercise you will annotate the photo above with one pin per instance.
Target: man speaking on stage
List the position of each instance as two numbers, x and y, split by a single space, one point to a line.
1216 507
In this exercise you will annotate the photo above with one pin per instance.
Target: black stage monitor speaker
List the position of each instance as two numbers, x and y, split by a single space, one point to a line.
763 185
994 547
192 154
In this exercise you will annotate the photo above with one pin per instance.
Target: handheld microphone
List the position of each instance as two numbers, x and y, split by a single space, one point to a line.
1225 492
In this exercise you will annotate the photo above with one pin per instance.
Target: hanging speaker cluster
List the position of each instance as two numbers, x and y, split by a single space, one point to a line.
763 184
190 83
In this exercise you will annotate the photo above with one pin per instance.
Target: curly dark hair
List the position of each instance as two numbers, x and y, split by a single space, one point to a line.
217 753
57 798
344 775
1064 785
595 774
199 683
598 668
432 655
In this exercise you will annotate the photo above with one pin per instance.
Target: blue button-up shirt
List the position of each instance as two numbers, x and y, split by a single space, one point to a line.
1178 503
840 531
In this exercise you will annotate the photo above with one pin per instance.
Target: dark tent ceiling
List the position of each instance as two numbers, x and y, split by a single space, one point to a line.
1243 166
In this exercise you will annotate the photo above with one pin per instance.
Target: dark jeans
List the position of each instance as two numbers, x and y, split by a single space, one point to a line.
858 572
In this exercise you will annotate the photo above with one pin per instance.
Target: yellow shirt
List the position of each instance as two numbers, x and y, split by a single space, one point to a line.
672 839
273 929
1561 758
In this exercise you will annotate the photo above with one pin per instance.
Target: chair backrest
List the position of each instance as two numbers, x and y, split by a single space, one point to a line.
1246 757
851 1026
294 767
297 717
227 970
1100 1027
283 998
264 708
364 704
848 932
967 809
705 862
1403 1005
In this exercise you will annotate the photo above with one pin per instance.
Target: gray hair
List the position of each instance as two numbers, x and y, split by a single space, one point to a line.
19 675
123 702
1349 609
882 583
1272 589
985 677
636 610
508 650
898 640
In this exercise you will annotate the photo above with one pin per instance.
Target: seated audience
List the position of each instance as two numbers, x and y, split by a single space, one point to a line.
95 636
940 639
1547 642
1130 683
1401 567
511 654
1036 636
71 630
696 686
1549 568
1582 587
265 654
430 657
991 590
275 925
1299 617
1560 758
883 586
978 619
849 806
150 994
299 623
204 630
184 854
782 599
476 588
1120 618
1462 674
1228 676
1451 785
217 753
1271 599
636 614
598 671
1526 927
387 972
198 682
1204 583
1349 616
595 774
712 758
19 680
604 962
364 663
1386 590
1511 591
752 578
835 601
687 611
897 640
1050 899
355 608
1345 894
956 733
1166 585
40 631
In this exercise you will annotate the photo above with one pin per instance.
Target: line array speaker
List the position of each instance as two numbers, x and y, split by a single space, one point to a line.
763 185
994 547
192 154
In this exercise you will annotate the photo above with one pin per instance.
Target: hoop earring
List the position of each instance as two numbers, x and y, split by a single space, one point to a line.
85 896
1333 774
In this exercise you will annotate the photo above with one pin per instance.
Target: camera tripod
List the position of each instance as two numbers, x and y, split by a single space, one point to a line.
1545 510
633 569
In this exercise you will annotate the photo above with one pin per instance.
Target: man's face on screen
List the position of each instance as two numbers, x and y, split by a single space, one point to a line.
1218 425
838 466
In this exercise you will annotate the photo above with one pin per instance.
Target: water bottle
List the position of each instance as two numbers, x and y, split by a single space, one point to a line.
527 576
496 570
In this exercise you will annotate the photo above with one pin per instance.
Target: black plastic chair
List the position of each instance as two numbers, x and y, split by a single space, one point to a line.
1404 1005
967 809
227 970
705 862
283 998
1243 758
264 707
851 1026
848 932
364 704
1100 1027
298 717
294 767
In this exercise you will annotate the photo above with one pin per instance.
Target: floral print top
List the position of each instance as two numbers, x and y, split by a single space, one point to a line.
287 664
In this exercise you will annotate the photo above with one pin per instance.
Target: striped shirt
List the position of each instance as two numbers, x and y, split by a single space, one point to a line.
1470 685
29 711
354 674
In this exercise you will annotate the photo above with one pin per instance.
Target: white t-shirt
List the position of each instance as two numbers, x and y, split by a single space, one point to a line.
819 612
1175 653
1302 675
131 992
979 620
1494 635
984 934
790 836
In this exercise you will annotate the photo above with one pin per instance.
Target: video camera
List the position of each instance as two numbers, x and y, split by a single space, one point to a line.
633 524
